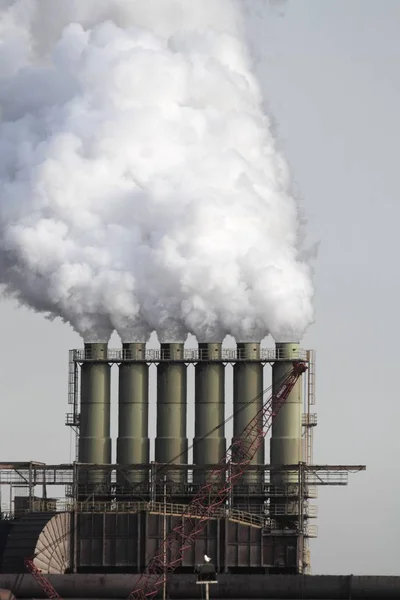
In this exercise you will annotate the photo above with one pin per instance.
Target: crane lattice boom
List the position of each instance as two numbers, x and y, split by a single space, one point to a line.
42 581
213 494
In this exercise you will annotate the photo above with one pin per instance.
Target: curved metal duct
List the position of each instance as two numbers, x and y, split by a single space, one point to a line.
46 536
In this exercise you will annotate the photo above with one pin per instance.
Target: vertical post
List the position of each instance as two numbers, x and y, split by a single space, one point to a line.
75 519
44 490
230 494
310 401
153 493
300 542
207 591
164 539
307 456
30 487
76 406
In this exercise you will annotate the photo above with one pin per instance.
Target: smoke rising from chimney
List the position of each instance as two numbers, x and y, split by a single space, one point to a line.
141 188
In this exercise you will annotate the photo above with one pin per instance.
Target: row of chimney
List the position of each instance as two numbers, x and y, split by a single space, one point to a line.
171 443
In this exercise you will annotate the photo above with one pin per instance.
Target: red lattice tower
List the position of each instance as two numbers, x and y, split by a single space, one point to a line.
212 496
41 579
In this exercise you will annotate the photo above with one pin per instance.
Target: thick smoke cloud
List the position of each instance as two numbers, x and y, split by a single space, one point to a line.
141 188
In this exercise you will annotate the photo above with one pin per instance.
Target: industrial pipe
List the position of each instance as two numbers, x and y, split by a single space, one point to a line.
171 444
248 399
94 434
133 414
286 442
209 409
181 586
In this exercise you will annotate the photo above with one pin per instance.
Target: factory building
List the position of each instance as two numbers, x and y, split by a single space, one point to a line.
113 518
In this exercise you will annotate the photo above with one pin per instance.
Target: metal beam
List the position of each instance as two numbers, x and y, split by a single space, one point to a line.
63 474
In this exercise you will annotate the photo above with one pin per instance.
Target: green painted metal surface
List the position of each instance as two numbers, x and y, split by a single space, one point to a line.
171 444
286 442
209 408
248 398
133 413
94 439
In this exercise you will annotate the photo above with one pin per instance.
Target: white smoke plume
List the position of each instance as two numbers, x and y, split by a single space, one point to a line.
140 186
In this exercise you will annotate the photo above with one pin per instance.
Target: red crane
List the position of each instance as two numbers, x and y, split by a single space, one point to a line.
41 579
214 494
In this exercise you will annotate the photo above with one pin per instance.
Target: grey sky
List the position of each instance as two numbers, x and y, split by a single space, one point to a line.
330 75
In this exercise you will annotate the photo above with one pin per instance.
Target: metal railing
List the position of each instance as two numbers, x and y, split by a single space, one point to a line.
72 419
32 474
309 531
327 477
311 377
236 514
196 355
73 380
309 419
170 509
311 491
279 510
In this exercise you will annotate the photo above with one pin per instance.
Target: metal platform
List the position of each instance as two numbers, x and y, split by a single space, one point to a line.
257 524
30 474
118 355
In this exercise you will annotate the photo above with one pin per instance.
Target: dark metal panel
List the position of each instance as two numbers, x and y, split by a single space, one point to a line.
125 533
97 540
242 534
105 541
130 540
138 535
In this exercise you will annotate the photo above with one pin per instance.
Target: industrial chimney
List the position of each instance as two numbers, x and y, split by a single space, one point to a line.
171 444
248 399
286 443
133 414
94 438
209 409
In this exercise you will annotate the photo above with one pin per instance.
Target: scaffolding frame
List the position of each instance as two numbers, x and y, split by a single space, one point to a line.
156 497
309 476
31 474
